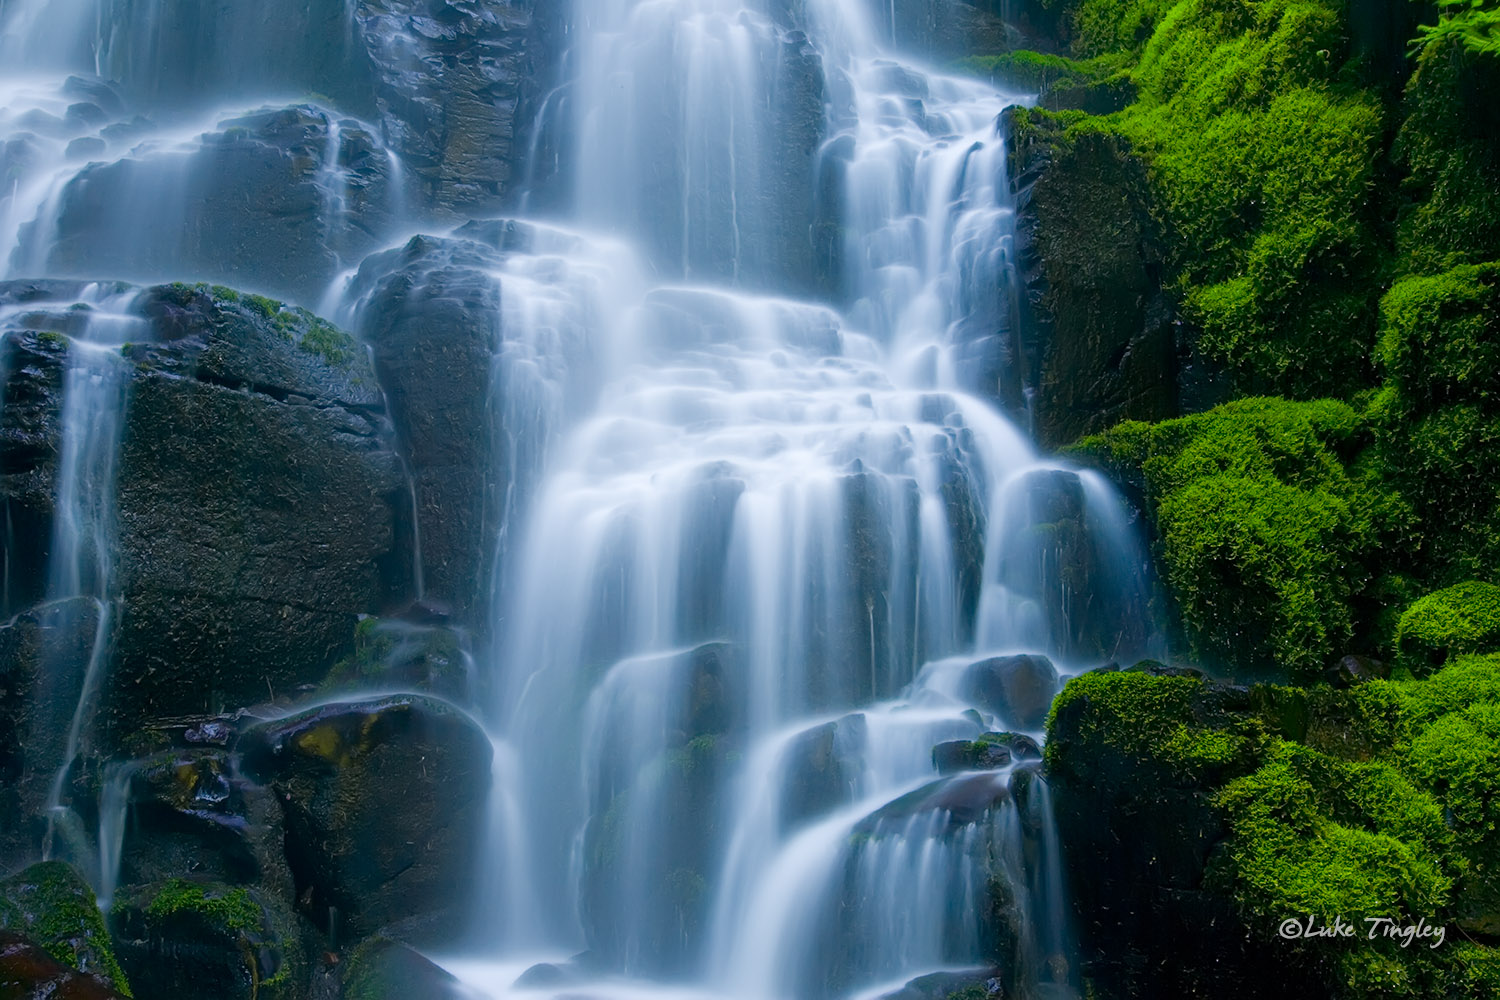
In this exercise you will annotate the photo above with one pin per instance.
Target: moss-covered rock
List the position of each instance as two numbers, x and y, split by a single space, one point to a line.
1266 535
384 802
1460 619
201 939
1375 802
382 969
256 491
1437 421
29 972
52 906
1449 145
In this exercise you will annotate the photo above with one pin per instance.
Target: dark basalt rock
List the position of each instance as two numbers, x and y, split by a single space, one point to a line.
433 321
204 939
255 497
450 94
1107 345
384 804
51 905
965 799
382 969
1017 689
190 813
274 200
43 655
987 753
28 972
823 770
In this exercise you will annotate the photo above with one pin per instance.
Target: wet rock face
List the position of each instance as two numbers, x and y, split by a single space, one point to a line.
451 78
432 317
1016 689
1106 340
275 200
28 972
40 650
189 810
255 494
384 804
51 905
184 938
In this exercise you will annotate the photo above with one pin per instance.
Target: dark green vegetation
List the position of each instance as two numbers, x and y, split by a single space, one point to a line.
54 908
1285 345
1295 204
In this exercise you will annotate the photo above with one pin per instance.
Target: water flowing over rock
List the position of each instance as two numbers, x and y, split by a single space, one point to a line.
702 494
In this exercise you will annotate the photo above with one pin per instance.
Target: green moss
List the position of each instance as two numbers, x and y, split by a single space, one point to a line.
1381 801
1440 337
1449 147
232 909
52 905
1265 535
1460 619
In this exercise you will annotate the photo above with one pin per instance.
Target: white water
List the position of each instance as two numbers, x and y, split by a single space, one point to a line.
95 323
739 562
748 545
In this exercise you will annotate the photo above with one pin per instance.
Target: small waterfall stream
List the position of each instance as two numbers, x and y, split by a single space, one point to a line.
763 538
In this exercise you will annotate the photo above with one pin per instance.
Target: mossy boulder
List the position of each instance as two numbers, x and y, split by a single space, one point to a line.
1371 802
385 809
382 969
1449 145
1461 619
256 491
1268 528
205 939
1437 420
29 972
54 908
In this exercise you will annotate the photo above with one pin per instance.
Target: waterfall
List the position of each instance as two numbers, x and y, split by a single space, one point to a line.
762 569
760 532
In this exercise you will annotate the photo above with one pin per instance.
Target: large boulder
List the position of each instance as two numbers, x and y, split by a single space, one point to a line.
385 808
51 905
183 938
276 200
431 313
255 494
1018 690
29 972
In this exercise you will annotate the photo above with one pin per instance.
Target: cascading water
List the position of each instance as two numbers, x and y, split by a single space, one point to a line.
750 558
792 537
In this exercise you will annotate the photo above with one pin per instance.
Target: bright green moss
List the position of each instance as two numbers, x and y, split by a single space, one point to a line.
1265 536
1440 337
231 909
1450 149
1262 163
52 905
1464 618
